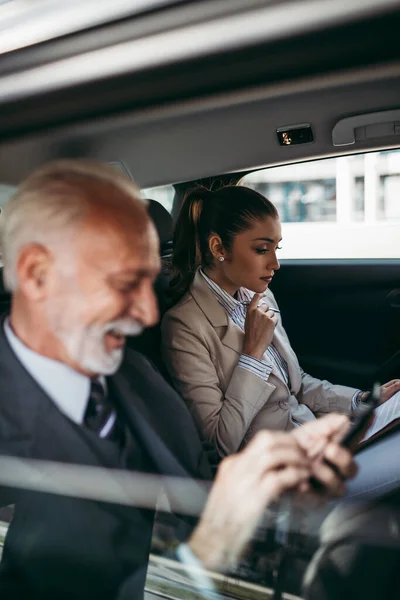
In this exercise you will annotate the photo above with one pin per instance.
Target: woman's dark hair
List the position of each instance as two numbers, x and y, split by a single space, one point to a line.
225 212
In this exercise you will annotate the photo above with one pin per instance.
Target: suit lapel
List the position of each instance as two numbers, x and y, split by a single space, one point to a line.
284 348
36 417
154 439
144 425
37 429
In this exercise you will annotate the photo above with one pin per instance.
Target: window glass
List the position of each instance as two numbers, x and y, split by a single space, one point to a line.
163 194
346 207
6 192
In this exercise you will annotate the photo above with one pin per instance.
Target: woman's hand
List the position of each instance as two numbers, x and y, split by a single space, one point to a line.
386 392
259 328
388 389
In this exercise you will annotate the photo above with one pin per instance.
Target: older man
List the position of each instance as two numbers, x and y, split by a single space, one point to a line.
80 258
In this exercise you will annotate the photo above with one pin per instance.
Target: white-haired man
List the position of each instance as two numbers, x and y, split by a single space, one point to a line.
80 258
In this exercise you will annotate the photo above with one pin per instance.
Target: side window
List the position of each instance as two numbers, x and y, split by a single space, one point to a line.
163 194
346 207
6 192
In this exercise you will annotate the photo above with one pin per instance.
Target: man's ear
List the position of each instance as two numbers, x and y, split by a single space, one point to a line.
33 267
216 246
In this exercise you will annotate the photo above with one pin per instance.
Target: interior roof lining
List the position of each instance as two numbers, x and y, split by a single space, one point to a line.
143 141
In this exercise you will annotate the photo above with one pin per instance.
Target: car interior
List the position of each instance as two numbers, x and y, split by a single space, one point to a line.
187 93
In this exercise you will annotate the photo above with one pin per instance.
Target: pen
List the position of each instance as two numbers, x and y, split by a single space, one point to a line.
247 302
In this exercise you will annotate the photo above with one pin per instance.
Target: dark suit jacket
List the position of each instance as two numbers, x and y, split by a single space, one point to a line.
59 547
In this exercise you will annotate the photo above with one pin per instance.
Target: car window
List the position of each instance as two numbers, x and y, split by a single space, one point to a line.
6 191
346 207
163 194
166 577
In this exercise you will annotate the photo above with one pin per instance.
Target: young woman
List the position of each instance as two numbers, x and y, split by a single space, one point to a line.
223 341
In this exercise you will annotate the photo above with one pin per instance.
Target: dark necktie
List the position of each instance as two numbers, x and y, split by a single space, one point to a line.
100 415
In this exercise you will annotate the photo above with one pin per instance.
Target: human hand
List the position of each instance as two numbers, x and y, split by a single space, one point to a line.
389 389
259 328
320 440
245 484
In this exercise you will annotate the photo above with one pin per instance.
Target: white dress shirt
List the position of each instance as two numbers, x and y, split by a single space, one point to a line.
68 389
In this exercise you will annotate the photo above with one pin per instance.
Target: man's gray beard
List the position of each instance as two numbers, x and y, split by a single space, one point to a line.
85 346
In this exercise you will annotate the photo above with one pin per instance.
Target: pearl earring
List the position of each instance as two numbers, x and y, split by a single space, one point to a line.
221 259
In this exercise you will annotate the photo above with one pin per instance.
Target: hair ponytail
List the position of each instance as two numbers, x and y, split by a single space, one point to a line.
187 253
225 212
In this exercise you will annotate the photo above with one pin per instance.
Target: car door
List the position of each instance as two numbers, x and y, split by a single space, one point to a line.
342 317
339 283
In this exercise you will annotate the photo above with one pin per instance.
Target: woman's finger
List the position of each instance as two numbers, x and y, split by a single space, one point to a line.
263 308
254 302
390 383
389 389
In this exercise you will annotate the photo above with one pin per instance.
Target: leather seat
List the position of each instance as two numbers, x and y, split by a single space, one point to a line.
150 341
5 297
165 226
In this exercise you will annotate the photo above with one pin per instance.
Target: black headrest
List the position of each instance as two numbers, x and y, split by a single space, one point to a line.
162 220
2 287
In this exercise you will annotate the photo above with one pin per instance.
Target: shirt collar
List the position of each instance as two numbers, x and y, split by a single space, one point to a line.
68 389
228 302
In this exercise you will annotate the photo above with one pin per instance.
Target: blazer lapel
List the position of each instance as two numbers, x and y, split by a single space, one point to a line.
284 348
230 334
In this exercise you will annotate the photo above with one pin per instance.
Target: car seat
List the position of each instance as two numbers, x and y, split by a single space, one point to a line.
149 342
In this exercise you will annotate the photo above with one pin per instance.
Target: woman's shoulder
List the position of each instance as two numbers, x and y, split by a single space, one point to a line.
182 310
183 319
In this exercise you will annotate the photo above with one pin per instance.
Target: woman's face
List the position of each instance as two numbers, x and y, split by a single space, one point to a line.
252 261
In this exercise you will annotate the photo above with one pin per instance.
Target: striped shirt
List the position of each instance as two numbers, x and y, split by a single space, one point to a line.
236 308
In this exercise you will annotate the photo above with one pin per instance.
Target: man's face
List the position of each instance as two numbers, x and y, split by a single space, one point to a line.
107 292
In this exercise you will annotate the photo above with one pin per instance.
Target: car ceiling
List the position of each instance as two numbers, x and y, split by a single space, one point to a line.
196 140
227 123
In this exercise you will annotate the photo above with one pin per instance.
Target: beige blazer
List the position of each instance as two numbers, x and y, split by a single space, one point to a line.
201 347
